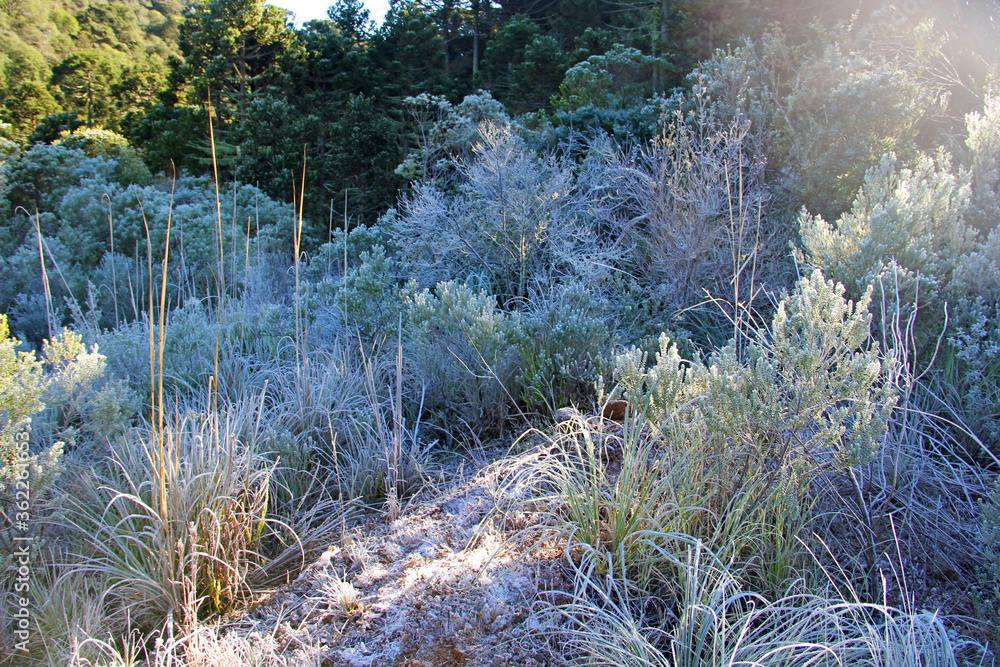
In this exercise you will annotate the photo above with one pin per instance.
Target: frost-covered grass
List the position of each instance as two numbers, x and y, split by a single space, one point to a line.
813 490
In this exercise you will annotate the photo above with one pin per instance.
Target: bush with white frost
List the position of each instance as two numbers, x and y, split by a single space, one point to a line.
515 218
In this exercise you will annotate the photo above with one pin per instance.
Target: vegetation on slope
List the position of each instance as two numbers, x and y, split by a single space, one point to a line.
268 297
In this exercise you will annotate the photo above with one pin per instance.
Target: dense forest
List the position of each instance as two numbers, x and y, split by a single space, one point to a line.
699 299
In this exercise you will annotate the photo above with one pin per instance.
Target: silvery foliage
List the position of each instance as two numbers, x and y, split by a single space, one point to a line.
904 233
462 353
915 233
518 220
693 211
812 396
84 211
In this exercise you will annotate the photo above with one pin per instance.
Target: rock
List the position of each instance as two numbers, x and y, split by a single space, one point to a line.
615 410
566 414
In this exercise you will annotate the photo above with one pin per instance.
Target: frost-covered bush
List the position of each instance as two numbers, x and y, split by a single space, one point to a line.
904 234
34 316
369 299
987 588
81 404
22 385
972 367
250 226
462 355
516 218
328 260
36 182
563 340
61 397
85 207
813 396
983 142
913 234
694 213
189 349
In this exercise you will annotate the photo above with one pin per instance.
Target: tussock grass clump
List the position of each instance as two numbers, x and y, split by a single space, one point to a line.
712 619
180 535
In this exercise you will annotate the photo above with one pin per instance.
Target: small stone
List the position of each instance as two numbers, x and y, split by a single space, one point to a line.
566 414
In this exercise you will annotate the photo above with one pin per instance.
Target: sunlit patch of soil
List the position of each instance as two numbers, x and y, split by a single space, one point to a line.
456 580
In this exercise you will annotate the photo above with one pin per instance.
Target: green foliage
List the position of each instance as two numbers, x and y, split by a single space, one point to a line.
53 125
505 51
221 36
409 51
167 135
99 60
618 79
825 113
536 78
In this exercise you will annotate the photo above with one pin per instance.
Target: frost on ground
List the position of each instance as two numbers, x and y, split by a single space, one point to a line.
460 578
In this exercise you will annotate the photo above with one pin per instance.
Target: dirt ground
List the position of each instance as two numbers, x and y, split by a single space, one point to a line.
462 577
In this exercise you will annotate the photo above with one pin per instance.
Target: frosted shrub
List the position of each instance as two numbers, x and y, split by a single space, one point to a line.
516 218
562 342
86 207
693 213
987 589
983 142
369 298
189 349
22 385
912 234
904 233
460 348
43 402
328 260
22 291
974 374
812 397
81 405
38 179
111 145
